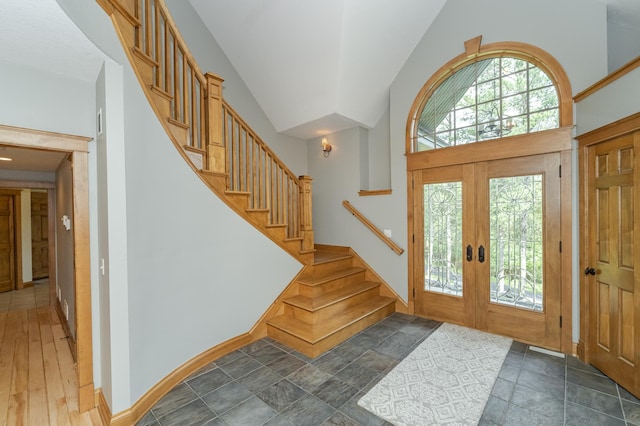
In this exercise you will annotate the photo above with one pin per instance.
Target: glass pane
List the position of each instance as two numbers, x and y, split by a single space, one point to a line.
514 83
489 94
544 120
537 78
544 98
443 238
516 272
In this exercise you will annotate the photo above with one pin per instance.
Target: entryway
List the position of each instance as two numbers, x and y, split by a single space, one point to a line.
491 246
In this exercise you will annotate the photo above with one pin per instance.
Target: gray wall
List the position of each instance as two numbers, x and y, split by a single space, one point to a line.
211 58
65 258
617 100
575 34
187 285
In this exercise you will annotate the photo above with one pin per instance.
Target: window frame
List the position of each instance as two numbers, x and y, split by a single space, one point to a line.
474 52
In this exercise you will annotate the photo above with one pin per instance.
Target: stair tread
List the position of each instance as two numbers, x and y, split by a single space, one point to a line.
313 281
322 256
328 299
315 333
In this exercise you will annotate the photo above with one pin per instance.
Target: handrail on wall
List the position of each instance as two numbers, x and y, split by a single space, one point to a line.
388 241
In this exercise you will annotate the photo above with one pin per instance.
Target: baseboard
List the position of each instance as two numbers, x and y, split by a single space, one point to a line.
103 408
67 331
132 415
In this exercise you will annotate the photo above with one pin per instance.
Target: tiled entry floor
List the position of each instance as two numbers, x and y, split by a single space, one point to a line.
266 383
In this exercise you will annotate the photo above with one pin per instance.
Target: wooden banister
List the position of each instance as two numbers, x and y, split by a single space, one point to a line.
212 136
388 241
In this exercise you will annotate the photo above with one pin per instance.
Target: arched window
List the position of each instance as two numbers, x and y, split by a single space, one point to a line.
490 94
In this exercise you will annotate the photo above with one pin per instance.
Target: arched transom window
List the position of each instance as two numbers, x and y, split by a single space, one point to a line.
487 99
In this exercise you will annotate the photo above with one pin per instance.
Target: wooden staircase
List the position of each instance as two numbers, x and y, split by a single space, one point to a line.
337 294
335 297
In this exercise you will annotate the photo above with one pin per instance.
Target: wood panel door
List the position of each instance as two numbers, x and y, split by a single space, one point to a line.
611 275
490 252
7 244
39 235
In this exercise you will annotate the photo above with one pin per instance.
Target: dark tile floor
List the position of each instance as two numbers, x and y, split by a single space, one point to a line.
266 383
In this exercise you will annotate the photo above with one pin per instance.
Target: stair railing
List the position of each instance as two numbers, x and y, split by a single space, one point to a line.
212 134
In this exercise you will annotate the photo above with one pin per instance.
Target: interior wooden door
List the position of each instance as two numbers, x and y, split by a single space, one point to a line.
39 235
490 247
7 244
612 279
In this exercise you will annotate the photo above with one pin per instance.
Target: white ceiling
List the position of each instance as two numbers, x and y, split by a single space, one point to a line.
318 66
30 159
314 66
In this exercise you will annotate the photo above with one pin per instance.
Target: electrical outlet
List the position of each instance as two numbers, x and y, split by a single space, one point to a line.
387 232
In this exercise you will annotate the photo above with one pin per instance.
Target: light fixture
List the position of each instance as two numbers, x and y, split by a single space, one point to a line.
5 159
326 147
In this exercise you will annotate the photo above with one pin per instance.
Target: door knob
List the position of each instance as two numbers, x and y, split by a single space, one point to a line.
469 253
589 271
481 254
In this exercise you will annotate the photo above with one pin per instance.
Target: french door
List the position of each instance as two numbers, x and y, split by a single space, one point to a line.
490 247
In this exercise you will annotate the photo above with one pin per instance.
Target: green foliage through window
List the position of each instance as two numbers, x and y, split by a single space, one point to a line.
489 99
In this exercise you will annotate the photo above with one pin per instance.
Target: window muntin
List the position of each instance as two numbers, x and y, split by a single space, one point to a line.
488 99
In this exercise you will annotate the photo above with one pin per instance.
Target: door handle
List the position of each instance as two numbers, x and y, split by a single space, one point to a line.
481 254
589 271
469 253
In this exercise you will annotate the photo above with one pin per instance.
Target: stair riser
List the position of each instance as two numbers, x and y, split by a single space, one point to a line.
314 350
328 267
324 288
330 311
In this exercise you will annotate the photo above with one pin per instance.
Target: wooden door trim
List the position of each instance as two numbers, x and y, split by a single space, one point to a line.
77 146
586 142
414 167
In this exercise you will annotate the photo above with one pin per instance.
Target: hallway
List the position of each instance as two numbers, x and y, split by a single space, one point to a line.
37 372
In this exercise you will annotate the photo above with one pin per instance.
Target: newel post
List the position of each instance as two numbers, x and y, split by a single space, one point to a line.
306 221
216 158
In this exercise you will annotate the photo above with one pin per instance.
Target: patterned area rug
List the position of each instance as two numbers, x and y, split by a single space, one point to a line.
446 380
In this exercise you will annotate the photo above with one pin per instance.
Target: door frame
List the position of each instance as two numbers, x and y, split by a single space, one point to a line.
548 141
17 236
587 140
77 147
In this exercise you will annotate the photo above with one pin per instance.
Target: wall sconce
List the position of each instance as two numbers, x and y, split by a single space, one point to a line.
326 148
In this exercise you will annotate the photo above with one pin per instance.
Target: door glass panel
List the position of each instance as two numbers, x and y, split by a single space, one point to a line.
443 238
516 241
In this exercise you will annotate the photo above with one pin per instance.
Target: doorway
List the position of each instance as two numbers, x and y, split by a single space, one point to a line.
490 246
76 147
610 196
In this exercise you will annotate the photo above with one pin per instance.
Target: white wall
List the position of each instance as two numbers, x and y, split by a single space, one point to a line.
292 151
615 101
575 34
39 100
25 224
65 258
188 287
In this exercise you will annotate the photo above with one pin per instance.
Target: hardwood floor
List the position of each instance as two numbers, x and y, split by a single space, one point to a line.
37 373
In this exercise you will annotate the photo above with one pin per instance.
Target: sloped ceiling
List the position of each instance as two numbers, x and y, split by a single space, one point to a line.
318 66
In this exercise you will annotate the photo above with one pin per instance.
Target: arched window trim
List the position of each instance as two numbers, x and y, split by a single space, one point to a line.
474 52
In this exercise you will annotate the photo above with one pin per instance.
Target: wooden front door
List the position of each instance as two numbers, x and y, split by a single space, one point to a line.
491 247
39 235
7 244
613 202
